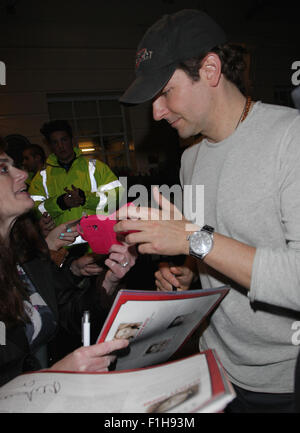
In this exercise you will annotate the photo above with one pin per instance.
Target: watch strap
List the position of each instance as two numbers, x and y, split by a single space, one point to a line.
208 229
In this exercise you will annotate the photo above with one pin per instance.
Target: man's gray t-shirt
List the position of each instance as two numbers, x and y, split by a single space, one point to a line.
252 194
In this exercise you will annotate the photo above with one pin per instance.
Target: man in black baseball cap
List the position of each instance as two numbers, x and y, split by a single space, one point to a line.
246 232
171 40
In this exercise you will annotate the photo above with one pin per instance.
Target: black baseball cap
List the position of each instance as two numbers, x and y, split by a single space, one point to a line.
171 40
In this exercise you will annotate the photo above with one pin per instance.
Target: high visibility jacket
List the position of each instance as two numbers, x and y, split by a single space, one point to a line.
99 184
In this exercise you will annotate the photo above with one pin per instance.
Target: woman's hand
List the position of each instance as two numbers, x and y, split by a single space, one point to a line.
46 224
63 235
91 358
168 276
121 259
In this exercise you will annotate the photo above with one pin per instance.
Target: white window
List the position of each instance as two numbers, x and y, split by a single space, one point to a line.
99 123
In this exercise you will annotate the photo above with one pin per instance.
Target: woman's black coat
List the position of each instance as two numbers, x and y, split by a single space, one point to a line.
60 290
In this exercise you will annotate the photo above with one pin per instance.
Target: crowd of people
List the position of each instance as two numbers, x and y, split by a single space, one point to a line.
247 160
36 294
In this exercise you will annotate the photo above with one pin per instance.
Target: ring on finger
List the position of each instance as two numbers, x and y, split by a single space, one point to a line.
124 264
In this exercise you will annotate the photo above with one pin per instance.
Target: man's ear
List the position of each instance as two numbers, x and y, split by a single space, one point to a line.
211 69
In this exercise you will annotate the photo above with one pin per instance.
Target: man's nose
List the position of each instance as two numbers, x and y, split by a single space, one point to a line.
159 109
60 145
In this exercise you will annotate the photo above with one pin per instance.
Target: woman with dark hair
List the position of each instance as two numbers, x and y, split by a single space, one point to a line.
36 296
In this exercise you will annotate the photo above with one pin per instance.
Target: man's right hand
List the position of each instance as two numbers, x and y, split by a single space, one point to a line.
168 276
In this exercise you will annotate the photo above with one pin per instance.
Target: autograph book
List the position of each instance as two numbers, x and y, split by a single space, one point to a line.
193 384
157 324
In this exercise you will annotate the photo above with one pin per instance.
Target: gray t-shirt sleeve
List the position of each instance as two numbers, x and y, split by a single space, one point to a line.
276 271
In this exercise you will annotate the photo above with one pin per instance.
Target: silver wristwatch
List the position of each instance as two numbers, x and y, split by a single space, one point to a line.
201 242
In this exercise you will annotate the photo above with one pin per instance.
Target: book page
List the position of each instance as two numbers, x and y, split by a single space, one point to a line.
156 328
179 386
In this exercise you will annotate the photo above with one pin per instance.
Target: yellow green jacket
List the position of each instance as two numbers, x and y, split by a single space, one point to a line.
101 187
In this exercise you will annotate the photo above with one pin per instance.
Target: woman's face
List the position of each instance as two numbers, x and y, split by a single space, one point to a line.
14 200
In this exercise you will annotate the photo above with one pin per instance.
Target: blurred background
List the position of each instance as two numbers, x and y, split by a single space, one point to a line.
73 59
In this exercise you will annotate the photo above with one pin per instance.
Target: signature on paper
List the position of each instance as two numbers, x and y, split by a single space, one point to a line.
30 389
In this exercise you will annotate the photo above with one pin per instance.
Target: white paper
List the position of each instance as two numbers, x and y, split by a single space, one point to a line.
181 386
157 328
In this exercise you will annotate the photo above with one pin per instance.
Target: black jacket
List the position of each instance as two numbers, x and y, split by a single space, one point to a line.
66 300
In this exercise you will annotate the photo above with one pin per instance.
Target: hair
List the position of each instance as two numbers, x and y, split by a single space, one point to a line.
232 61
56 125
37 150
25 243
3 145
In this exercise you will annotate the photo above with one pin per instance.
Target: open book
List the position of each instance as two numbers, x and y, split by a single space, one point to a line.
156 323
193 384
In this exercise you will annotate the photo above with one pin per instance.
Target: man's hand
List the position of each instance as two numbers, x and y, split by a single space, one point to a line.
159 231
73 197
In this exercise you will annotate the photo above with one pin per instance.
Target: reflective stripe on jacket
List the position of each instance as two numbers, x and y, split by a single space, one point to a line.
100 185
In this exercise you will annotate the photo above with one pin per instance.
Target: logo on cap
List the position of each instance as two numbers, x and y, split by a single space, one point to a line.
142 55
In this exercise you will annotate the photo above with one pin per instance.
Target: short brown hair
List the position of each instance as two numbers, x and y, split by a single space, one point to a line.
232 60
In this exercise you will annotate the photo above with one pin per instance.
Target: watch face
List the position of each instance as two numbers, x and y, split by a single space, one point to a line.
201 242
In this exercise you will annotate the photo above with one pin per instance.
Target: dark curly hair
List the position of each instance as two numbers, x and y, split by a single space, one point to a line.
56 125
233 64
